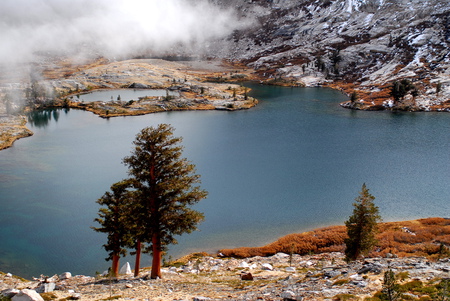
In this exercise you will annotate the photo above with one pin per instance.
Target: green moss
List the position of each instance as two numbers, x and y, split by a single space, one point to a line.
344 297
402 275
340 282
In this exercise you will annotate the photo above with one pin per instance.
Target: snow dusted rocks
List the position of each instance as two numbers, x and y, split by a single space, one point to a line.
369 43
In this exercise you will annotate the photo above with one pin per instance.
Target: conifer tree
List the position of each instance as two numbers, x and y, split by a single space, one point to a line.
165 187
390 290
113 220
361 226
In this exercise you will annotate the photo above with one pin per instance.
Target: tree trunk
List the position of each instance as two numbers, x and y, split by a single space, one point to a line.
156 262
137 264
115 265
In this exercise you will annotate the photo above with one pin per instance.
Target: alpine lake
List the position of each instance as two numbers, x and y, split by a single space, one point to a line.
293 163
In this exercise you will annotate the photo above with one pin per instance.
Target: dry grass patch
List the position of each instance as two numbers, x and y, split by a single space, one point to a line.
423 237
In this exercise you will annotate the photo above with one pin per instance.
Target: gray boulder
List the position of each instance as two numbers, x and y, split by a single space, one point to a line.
46 288
27 295
10 292
64 276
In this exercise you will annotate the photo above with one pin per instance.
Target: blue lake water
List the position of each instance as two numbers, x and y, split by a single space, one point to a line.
121 94
293 163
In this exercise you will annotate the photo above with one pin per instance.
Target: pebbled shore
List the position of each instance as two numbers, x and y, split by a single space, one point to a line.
318 277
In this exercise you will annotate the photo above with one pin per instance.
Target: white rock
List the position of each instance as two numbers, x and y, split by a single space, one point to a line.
201 299
27 295
9 275
281 255
126 269
244 265
290 269
267 266
253 266
64 276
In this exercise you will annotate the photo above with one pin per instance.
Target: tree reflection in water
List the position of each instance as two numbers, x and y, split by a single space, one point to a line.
42 118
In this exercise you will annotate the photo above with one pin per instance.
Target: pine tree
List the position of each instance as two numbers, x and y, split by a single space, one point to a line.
362 226
390 290
164 186
113 220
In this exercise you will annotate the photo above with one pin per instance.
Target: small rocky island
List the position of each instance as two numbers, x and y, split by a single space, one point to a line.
200 85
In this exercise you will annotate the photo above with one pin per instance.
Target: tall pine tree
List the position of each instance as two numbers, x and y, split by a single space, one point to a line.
113 220
165 187
362 226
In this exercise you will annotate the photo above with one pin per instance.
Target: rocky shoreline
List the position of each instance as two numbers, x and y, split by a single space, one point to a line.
12 128
201 85
279 277
282 275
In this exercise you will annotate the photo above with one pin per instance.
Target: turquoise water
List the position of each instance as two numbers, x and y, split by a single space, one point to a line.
293 163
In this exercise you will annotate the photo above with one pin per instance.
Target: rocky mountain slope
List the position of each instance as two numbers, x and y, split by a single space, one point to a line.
361 45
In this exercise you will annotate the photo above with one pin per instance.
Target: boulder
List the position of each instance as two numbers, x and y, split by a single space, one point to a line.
288 296
247 276
10 292
331 273
267 267
370 268
125 269
64 276
27 295
138 86
244 264
46 288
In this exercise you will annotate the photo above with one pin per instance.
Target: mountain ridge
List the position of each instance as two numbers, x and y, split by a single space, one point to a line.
367 43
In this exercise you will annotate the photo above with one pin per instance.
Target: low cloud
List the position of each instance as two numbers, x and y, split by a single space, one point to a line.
112 28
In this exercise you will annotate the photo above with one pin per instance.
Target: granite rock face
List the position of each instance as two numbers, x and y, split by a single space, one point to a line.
368 42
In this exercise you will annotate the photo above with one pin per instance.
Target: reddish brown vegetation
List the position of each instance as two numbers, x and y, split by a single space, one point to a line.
421 237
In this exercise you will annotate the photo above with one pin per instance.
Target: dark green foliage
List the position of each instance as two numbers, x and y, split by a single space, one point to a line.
354 96
399 89
438 87
114 218
443 290
391 290
362 226
165 187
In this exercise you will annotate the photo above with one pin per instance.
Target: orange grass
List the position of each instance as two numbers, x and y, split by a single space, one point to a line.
421 237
